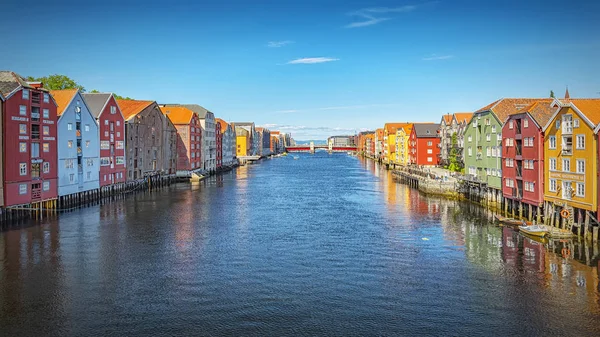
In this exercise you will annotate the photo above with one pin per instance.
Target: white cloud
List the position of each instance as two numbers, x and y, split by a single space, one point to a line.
312 60
277 44
369 15
287 111
436 57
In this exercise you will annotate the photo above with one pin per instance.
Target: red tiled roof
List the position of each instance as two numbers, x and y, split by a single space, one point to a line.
62 99
223 124
178 115
590 107
505 107
130 107
463 116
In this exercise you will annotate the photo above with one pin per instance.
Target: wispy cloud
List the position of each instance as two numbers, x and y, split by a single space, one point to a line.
342 107
435 57
302 132
372 16
312 60
287 111
278 44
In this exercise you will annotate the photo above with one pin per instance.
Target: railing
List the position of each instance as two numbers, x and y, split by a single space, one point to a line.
79 151
519 173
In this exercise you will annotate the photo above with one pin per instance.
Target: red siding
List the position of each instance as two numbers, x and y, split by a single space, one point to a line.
114 173
13 157
418 148
186 138
219 141
535 153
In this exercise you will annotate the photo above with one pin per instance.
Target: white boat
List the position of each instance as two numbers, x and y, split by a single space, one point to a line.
296 157
534 230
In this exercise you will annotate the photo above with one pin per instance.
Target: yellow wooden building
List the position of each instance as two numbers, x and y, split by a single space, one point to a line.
571 156
402 135
389 141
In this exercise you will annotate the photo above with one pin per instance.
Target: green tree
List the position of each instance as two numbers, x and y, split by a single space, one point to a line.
455 164
94 91
57 82
121 97
552 93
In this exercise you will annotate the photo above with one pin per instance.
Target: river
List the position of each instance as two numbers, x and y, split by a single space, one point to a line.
322 245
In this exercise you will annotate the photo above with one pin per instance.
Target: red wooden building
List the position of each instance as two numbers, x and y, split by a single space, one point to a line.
219 141
523 153
189 137
104 108
423 143
29 142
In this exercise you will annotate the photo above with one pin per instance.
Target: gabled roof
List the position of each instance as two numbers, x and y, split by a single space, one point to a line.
130 107
224 125
589 107
275 133
392 127
10 82
426 130
200 110
259 129
447 118
463 117
541 112
63 98
178 115
96 102
505 107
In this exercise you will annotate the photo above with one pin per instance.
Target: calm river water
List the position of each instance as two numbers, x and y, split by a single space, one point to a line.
322 245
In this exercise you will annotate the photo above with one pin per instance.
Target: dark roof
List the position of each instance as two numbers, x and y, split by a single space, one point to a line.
426 130
199 110
505 107
10 81
95 102
541 112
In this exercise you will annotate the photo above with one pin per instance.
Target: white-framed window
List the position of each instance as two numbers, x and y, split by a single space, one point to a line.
87 128
87 143
46 130
105 177
104 161
89 162
557 124
120 145
70 143
46 98
512 142
580 166
118 123
525 164
580 190
70 126
113 110
22 147
566 165
22 188
507 182
120 160
46 186
46 167
106 122
552 142
45 113
488 151
575 122
507 142
470 151
105 133
487 121
472 170
193 154
46 147
23 110
580 145
525 123
105 145
25 93
22 169
488 137
429 159
552 185
493 129
118 134
510 124
429 143
429 151
470 138
23 129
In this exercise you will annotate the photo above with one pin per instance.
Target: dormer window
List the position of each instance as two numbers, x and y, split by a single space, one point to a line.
46 98
25 93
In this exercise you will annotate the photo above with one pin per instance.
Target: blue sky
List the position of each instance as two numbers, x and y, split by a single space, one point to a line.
313 67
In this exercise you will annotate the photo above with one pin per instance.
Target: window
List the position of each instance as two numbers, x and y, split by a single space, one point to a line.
429 159
510 124
470 138
580 166
580 192
472 170
106 122
193 154
70 126
493 129
46 147
576 122
22 110
72 177
70 143
552 185
22 147
429 143
507 142
488 137
22 188
89 175
525 123
487 121
113 110
104 145
105 133
46 167
120 160
429 151
118 123
552 142
120 145
46 98
89 162
507 182
46 186
566 165
488 151
557 124
580 145
22 169
23 129
87 127
46 113
104 161
46 130
118 134
25 93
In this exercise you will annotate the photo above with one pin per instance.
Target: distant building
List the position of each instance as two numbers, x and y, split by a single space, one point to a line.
389 141
342 141
453 125
78 144
379 144
423 144
402 144
264 136
250 142
228 143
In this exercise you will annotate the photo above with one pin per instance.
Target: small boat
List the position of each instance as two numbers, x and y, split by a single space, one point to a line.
510 221
296 157
534 230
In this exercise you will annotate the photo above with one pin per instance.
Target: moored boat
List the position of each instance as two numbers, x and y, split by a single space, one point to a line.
510 221
534 230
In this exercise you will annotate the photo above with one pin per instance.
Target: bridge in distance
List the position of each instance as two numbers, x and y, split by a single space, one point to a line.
327 147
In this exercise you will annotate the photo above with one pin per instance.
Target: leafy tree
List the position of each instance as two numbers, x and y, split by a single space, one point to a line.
94 91
552 93
455 164
57 82
121 97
